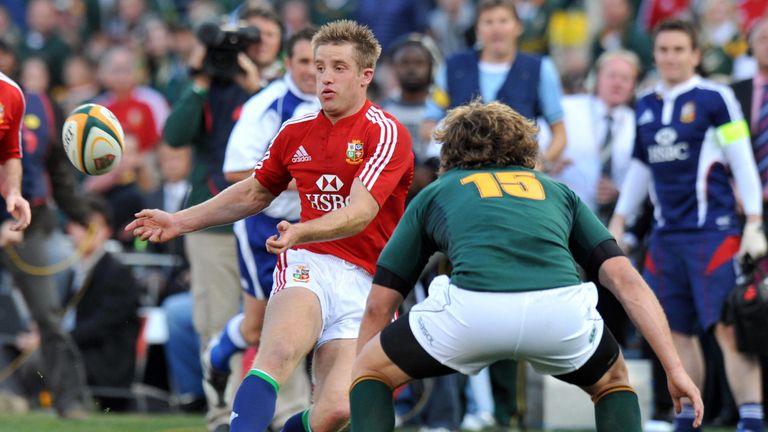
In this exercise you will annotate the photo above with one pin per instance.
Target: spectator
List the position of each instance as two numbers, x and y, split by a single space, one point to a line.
294 14
721 38
167 73
8 28
128 23
413 64
498 71
43 38
684 124
535 15
389 20
80 83
325 11
103 322
265 53
451 24
619 30
752 95
141 110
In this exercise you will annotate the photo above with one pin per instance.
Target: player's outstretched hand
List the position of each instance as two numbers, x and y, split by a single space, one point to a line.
155 225
681 386
18 207
286 237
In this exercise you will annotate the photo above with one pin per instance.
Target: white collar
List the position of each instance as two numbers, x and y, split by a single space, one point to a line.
293 88
677 90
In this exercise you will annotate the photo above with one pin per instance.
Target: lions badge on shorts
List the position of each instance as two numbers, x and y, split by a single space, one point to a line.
355 152
300 273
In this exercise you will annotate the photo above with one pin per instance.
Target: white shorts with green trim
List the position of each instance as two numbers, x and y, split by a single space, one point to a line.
556 330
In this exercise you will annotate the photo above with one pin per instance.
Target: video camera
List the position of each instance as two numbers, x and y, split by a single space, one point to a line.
747 307
223 43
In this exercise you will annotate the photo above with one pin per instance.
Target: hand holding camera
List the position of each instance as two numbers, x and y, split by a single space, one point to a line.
223 54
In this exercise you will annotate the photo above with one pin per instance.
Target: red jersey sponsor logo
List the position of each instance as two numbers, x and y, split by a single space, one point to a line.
327 202
355 152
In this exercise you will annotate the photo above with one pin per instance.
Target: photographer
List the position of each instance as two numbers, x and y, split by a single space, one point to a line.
225 73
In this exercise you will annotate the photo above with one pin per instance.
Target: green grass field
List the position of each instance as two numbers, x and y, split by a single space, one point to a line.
111 422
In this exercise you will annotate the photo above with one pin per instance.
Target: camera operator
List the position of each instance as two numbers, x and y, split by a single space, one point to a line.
225 69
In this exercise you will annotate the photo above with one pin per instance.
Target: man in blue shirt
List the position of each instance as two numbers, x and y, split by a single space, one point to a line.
691 141
498 71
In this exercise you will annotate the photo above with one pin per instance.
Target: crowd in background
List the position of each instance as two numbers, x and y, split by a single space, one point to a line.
133 56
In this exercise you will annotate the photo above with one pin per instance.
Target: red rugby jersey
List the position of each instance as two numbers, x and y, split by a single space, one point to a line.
325 159
11 116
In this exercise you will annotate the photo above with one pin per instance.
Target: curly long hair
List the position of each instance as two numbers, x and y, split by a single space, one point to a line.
477 135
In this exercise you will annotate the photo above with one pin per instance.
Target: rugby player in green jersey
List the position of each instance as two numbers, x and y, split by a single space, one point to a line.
514 237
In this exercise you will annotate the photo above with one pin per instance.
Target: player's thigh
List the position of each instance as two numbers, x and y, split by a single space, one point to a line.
666 271
395 356
713 276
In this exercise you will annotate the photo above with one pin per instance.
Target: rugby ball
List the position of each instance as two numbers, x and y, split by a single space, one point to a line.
93 139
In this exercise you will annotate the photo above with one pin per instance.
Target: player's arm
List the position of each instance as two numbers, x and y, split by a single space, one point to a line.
618 275
633 192
603 260
10 162
733 136
242 199
344 222
380 308
398 269
550 95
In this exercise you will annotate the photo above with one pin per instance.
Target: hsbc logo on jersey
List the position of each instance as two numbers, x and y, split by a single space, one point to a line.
667 149
329 183
328 201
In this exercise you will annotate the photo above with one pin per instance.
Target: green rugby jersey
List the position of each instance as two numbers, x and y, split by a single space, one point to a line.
503 229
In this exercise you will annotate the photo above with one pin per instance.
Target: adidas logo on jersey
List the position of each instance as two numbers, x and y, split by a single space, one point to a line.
645 118
301 155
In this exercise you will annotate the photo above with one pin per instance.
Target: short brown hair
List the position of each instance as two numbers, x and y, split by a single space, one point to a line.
367 48
476 135
484 5
684 26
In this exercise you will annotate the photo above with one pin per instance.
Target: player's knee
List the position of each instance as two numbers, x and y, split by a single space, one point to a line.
279 356
251 334
726 337
333 418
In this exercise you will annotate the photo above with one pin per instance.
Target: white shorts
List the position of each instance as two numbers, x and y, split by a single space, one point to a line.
341 287
556 330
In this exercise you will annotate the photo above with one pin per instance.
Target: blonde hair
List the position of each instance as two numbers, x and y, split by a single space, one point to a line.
477 135
367 48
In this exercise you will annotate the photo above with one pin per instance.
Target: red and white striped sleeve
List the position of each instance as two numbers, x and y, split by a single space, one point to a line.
392 157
